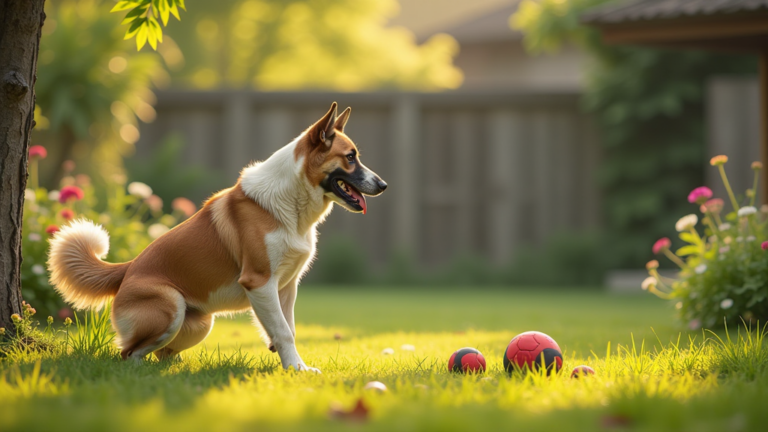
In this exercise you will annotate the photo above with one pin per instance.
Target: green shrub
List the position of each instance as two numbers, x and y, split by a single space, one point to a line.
724 273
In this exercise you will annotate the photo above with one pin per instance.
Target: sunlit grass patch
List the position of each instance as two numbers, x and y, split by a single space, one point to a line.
662 380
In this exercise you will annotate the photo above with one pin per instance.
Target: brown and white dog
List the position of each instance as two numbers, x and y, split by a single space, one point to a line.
247 248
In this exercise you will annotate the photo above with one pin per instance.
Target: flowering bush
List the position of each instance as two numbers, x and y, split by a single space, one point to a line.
132 215
724 273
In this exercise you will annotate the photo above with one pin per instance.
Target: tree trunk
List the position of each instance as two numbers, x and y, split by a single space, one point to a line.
20 24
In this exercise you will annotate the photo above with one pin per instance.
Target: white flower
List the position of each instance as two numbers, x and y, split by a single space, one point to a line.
38 269
156 230
53 195
140 190
739 239
724 226
701 268
34 237
649 282
686 222
751 238
408 347
746 211
725 304
387 351
29 195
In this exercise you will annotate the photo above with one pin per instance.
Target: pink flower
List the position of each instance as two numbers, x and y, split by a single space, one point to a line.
700 195
714 206
764 245
67 214
38 151
661 244
155 203
184 205
68 166
52 229
66 313
695 324
70 192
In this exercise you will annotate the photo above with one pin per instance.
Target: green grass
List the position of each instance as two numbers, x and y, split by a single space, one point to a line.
661 382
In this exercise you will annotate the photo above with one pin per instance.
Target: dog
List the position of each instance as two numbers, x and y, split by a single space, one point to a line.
246 249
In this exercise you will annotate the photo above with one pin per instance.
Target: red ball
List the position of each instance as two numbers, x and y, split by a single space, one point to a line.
582 370
467 360
533 350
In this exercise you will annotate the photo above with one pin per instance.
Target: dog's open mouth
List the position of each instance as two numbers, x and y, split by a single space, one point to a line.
349 194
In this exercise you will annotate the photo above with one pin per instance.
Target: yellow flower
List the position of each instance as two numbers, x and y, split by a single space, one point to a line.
67 321
718 160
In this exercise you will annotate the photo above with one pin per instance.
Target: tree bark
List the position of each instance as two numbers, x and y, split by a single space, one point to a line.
20 24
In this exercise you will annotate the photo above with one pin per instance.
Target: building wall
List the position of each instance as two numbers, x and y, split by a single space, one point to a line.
733 129
468 172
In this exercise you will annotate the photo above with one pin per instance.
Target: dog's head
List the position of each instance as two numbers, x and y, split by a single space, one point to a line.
332 163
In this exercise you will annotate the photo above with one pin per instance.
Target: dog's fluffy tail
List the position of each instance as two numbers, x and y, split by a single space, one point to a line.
76 267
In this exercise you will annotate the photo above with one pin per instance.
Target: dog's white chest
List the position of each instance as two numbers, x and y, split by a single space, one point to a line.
289 253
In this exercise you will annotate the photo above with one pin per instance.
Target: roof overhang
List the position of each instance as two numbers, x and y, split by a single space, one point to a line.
737 32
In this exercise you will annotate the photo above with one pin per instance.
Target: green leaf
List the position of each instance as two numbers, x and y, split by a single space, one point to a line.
124 5
133 29
690 238
141 36
136 12
175 11
687 250
165 12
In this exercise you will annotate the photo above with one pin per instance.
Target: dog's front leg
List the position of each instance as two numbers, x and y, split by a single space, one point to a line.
265 301
287 301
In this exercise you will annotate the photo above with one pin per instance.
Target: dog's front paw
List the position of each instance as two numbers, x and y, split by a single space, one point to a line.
303 367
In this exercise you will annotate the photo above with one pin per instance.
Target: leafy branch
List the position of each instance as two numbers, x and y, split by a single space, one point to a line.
143 19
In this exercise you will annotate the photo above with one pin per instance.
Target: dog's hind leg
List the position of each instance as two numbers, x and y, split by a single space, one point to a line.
147 316
195 328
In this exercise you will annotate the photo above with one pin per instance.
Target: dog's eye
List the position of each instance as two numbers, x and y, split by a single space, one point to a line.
351 157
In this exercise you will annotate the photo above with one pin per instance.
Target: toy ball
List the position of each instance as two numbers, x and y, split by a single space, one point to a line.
582 370
467 360
531 350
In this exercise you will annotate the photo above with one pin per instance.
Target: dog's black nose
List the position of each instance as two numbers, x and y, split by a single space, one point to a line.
382 184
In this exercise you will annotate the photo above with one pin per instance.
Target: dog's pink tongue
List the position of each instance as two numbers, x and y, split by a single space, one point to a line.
359 197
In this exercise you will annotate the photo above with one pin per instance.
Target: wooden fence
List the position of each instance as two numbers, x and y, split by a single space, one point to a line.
468 172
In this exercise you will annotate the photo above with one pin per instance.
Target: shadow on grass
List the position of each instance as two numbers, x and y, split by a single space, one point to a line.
178 382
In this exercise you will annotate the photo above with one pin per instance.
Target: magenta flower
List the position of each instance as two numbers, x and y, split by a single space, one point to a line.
70 192
38 151
52 229
764 245
700 195
661 244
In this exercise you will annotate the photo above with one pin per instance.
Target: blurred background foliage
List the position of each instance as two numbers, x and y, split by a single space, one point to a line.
306 44
634 93
93 87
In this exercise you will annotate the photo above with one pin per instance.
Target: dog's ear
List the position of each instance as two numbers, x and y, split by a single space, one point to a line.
341 121
322 131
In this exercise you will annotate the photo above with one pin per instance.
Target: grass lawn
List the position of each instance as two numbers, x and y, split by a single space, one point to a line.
231 382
